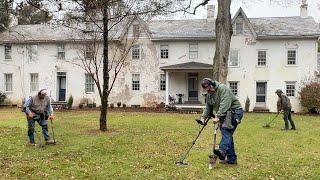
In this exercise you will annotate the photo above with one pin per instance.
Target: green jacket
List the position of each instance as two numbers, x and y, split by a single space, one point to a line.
283 103
219 102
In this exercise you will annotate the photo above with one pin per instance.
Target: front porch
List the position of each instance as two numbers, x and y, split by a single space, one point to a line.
183 85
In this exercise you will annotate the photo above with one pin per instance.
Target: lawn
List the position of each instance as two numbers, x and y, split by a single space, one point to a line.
146 146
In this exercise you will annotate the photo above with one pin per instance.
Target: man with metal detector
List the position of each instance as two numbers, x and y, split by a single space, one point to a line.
221 102
284 105
38 109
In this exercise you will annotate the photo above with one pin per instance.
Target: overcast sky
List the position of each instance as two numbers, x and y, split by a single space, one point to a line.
263 8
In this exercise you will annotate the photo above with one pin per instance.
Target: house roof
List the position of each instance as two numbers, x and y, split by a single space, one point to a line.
188 66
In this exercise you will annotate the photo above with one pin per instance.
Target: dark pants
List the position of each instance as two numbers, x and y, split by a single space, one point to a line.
287 118
227 143
31 130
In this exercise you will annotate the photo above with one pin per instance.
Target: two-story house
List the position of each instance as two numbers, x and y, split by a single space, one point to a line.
169 59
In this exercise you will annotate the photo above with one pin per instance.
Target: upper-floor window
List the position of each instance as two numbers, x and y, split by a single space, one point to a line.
34 82
239 27
89 53
262 58
318 60
8 82
234 87
292 57
61 51
162 82
164 51
32 52
136 82
234 58
136 51
136 30
7 52
193 50
89 83
290 88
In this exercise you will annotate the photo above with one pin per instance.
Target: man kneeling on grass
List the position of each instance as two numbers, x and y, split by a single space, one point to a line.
228 113
38 108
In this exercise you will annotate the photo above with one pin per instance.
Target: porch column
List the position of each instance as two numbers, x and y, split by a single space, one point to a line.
167 88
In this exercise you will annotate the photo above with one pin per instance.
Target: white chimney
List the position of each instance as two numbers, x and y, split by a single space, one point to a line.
210 12
304 9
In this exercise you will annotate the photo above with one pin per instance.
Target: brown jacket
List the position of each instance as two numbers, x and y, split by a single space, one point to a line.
283 103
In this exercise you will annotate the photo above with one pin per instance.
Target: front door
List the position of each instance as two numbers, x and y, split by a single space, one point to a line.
193 86
61 82
261 92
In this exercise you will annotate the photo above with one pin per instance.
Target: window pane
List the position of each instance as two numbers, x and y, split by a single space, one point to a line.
136 52
262 58
233 58
8 82
135 82
89 84
34 85
7 52
33 52
89 54
162 82
61 52
292 57
290 88
234 87
164 51
193 51
239 28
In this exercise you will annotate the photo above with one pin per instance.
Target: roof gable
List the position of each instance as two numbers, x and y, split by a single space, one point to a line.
246 20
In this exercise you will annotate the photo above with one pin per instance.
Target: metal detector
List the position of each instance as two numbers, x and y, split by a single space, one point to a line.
268 124
181 161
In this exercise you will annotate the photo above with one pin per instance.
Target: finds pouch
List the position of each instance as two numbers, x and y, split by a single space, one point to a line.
227 123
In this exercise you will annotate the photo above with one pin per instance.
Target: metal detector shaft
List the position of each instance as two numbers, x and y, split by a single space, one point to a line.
273 119
54 140
193 142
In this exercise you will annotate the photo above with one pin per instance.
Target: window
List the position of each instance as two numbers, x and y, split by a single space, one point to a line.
7 52
291 57
8 82
234 87
136 52
89 54
193 51
164 51
89 84
234 58
262 58
162 82
136 30
290 88
239 28
61 51
136 82
318 60
32 52
34 82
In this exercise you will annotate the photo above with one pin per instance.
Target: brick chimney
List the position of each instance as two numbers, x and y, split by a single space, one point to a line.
210 12
304 9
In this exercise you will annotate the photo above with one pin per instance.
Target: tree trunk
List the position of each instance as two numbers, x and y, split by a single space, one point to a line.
223 37
104 99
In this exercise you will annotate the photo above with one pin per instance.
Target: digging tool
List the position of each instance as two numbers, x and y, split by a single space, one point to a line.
181 161
212 157
268 124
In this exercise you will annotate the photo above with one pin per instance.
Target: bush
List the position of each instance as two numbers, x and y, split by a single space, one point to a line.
118 104
247 105
2 97
70 102
111 106
124 105
310 96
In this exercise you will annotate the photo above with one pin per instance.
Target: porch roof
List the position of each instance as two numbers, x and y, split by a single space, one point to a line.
188 66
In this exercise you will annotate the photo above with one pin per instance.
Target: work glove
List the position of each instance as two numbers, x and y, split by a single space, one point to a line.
51 117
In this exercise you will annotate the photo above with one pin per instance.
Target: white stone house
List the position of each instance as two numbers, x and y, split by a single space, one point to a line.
170 57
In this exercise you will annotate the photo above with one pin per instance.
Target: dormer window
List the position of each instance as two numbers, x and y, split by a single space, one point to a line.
239 28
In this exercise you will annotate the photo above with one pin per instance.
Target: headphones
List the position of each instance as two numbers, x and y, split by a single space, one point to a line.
208 81
39 93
